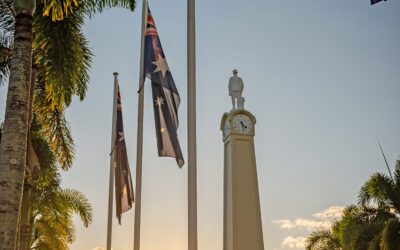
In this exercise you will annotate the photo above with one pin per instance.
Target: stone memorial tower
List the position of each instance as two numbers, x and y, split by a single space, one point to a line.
242 215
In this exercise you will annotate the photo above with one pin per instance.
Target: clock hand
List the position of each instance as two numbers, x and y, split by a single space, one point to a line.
243 126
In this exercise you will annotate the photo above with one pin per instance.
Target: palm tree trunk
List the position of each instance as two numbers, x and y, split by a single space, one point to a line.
34 74
25 220
30 225
15 132
25 211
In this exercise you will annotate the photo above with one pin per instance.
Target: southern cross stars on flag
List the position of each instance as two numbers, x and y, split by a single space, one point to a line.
123 179
165 95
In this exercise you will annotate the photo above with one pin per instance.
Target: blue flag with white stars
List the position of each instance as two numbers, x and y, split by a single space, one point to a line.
166 98
123 179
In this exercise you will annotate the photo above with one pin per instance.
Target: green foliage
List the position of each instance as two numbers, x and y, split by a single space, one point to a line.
63 57
92 7
55 127
390 236
5 59
322 240
58 10
53 207
377 190
6 38
47 175
53 223
373 224
360 225
382 190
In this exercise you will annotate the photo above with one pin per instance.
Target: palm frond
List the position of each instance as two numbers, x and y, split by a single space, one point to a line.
59 10
47 175
54 127
92 7
63 57
6 38
397 173
50 235
53 208
79 204
396 195
5 60
374 244
322 240
390 239
57 129
360 225
378 189
7 16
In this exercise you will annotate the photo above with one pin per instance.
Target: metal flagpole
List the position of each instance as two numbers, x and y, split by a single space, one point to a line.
111 181
387 165
139 145
192 161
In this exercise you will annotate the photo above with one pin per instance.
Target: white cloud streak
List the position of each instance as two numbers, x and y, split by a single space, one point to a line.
294 242
333 212
301 223
323 220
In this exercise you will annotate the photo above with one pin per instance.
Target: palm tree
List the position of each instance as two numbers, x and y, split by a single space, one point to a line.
51 225
383 192
51 210
15 131
12 159
361 226
373 224
356 230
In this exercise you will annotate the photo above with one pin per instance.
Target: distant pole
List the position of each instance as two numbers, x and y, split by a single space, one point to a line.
111 181
139 145
387 165
192 160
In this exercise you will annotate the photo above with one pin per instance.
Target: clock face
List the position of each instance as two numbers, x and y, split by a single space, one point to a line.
227 127
242 124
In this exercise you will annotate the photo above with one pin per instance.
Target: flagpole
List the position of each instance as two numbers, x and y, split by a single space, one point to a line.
387 165
111 181
139 145
192 161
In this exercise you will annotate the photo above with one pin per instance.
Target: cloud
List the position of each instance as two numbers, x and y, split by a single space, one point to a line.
301 223
294 242
323 220
334 212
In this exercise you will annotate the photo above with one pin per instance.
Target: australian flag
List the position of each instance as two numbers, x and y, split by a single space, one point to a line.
375 1
123 179
166 98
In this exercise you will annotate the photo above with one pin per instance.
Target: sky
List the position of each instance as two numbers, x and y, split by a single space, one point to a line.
322 79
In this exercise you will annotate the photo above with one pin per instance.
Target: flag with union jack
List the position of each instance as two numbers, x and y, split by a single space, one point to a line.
123 179
166 98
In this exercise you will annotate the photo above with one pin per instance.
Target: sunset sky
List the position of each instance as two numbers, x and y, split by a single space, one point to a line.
321 77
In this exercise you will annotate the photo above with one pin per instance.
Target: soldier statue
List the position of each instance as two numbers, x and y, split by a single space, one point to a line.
235 90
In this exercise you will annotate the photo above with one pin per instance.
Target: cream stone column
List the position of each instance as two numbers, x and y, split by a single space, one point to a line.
242 215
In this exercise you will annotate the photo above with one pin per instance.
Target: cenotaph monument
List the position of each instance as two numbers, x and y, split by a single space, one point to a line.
242 215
